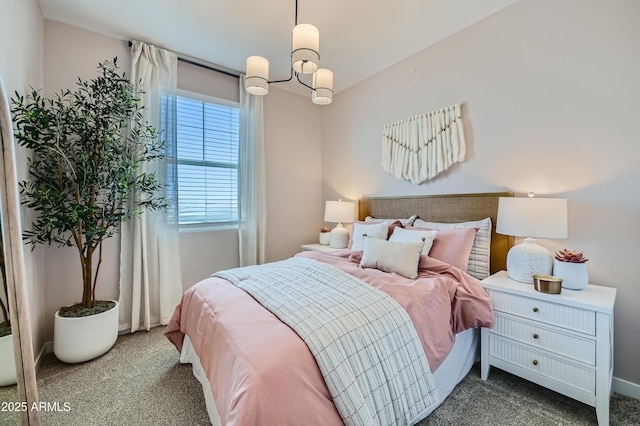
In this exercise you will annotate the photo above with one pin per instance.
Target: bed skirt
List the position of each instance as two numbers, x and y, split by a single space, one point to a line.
453 369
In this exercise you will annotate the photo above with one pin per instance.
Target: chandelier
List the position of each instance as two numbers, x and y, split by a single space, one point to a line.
305 46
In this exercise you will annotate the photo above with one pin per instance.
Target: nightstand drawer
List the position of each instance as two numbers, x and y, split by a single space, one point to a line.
555 314
547 338
556 369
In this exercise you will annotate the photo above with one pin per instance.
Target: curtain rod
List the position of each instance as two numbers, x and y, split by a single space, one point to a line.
207 67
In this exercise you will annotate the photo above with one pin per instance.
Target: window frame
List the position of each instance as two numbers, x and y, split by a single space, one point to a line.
204 226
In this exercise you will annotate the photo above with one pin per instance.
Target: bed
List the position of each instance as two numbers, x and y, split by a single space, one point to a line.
256 369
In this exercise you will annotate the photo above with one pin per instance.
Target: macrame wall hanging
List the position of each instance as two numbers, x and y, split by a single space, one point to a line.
421 147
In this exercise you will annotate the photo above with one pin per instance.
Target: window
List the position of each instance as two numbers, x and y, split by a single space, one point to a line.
207 140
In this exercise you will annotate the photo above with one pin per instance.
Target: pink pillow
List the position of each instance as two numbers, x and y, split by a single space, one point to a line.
452 246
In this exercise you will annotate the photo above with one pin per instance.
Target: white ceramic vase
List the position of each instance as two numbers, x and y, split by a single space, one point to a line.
574 275
8 374
85 338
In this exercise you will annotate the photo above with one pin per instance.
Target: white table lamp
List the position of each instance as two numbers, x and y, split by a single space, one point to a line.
531 217
339 211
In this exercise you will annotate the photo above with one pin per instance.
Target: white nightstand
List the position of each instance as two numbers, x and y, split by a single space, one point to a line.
563 342
317 247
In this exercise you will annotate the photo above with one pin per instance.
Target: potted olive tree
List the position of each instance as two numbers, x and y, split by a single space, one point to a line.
88 146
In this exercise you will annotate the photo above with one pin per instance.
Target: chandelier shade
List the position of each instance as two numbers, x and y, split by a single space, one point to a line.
305 48
323 87
305 59
257 79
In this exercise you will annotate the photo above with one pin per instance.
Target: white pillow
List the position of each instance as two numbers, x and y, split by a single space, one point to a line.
401 235
360 230
479 259
401 258
405 222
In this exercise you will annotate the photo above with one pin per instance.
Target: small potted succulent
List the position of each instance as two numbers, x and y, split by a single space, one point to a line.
571 266
324 235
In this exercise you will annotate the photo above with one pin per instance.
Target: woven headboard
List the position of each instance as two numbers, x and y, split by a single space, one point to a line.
448 208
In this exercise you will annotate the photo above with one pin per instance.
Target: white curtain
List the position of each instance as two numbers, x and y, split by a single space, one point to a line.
252 220
421 147
150 272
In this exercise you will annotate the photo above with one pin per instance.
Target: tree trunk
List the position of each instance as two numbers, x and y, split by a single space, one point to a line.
87 270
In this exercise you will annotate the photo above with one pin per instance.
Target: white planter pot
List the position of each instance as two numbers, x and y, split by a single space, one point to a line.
574 275
324 238
85 338
8 375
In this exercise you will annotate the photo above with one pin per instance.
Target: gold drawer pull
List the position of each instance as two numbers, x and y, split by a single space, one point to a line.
535 335
535 362
535 309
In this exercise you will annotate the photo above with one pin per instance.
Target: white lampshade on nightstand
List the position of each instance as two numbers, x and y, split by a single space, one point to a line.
339 212
531 217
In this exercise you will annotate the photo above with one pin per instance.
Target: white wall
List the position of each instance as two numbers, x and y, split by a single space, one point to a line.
294 175
550 92
21 47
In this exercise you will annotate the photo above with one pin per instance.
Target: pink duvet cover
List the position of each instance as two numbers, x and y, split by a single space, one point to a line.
261 372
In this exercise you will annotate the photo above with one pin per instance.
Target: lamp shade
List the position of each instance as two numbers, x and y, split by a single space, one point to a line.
323 87
257 78
305 48
532 217
339 211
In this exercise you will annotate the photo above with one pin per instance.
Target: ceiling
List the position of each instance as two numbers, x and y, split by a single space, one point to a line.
358 38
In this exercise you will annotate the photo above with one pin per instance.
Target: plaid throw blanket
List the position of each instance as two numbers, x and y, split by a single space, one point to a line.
364 342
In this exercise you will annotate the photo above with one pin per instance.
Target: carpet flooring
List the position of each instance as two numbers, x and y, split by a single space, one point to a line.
141 382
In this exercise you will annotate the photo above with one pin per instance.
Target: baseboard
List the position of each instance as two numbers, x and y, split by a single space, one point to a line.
626 388
47 348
